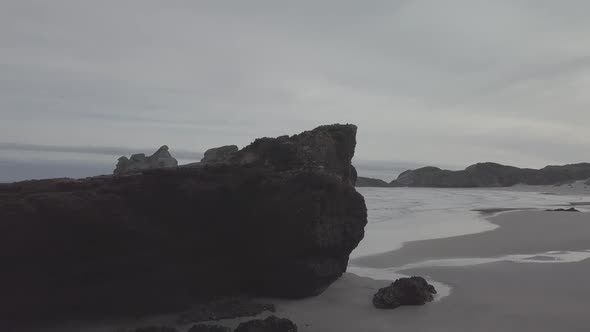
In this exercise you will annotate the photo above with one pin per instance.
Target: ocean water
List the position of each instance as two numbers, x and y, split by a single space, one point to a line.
398 215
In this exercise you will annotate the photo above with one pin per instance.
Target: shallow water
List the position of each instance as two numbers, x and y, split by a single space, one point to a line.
398 215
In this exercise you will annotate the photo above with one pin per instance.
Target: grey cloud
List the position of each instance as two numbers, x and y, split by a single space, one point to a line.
431 82
102 150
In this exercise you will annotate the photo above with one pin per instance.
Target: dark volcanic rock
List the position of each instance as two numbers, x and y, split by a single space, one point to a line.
369 182
139 162
491 175
404 291
270 324
221 154
209 328
161 240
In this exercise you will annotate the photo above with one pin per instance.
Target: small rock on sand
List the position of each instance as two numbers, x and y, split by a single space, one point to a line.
404 291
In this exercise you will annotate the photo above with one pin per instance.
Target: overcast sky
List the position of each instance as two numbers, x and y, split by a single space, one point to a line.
437 82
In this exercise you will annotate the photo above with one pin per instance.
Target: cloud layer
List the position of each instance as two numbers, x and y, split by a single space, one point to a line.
450 82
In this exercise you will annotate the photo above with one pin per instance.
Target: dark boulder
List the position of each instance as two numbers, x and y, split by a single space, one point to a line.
280 222
270 324
404 291
218 155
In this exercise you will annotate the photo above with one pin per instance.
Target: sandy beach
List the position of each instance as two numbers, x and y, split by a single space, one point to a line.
518 277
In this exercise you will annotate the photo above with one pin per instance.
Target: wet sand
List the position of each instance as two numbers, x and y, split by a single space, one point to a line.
523 232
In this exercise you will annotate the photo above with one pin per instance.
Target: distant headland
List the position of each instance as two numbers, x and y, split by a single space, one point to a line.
483 175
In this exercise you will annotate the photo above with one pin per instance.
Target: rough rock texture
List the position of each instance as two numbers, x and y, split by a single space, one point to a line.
404 291
491 175
328 148
209 328
139 162
369 182
221 154
282 225
270 324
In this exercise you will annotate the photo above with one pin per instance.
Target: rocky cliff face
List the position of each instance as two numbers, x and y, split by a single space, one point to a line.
327 148
281 220
492 175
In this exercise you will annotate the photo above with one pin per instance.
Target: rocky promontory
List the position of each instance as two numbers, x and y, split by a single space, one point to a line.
492 175
280 218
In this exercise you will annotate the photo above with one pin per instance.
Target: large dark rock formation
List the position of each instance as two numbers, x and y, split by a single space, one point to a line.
327 148
491 175
280 220
404 291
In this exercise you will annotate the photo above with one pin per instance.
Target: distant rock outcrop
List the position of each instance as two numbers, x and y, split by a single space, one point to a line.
369 182
404 291
139 162
280 220
221 154
563 210
491 175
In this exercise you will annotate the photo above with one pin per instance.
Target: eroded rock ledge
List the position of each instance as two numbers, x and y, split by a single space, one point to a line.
280 220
